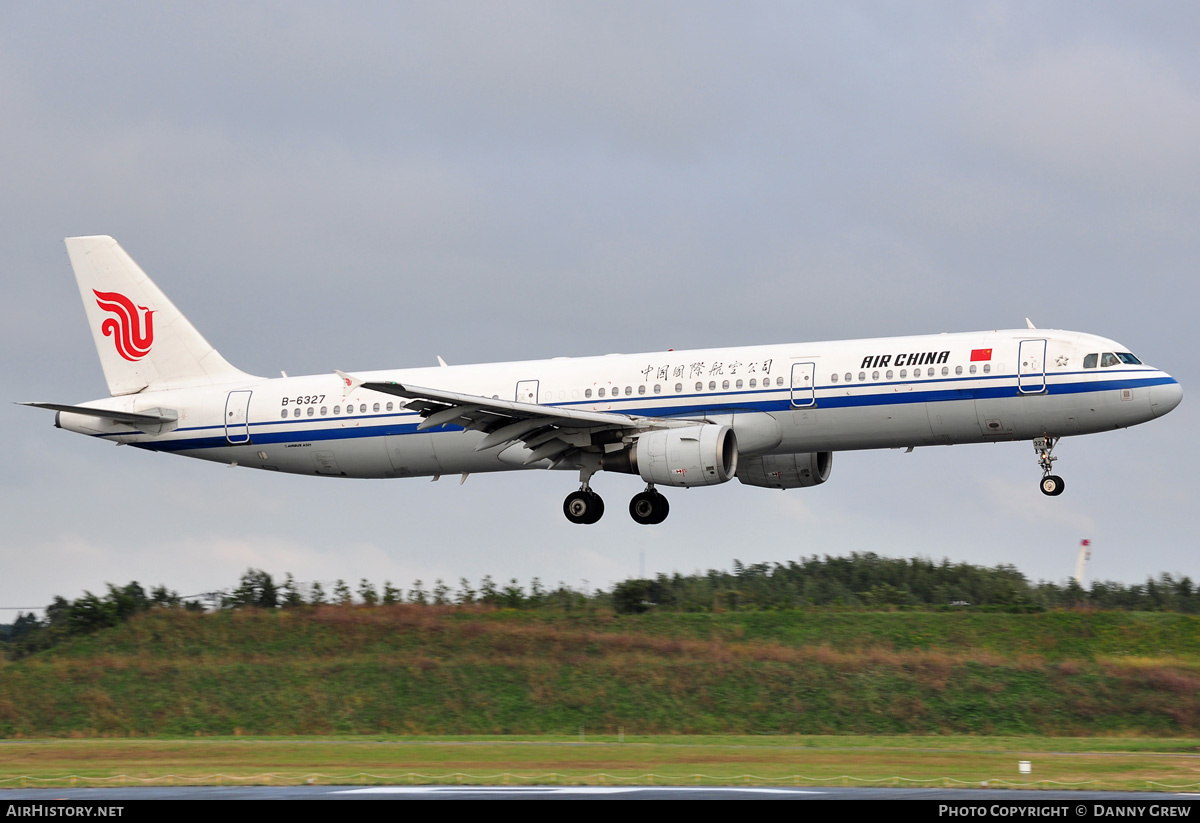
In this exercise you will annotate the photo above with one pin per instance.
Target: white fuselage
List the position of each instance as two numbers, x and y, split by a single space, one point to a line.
779 399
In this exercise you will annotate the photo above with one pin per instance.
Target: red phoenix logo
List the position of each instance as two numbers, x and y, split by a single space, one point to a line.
126 329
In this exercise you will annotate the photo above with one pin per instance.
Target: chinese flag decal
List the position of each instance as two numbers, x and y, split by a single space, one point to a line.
980 354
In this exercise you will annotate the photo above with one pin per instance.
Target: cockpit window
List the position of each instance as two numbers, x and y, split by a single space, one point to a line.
1128 358
1108 359
1089 362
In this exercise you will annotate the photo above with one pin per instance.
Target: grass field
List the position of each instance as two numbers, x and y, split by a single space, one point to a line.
444 672
1104 763
1104 700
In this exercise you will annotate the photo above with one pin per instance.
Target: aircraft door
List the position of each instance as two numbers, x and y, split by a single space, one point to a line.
527 391
804 388
1031 367
237 417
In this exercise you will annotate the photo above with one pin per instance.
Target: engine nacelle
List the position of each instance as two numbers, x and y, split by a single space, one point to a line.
786 471
703 455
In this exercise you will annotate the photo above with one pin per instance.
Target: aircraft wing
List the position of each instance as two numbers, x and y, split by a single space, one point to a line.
549 432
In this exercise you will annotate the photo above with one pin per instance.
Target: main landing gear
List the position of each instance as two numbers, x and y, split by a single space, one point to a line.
583 506
586 507
1052 485
649 507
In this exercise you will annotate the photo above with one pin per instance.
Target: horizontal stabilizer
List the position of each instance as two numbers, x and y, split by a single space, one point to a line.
152 421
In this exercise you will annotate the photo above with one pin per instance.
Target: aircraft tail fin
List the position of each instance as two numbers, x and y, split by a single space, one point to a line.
144 342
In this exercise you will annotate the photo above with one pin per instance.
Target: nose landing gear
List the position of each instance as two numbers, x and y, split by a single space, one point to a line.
1052 485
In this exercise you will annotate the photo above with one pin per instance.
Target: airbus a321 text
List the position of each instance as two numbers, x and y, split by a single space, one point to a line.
771 416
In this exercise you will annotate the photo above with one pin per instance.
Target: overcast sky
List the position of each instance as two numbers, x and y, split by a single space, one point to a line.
358 186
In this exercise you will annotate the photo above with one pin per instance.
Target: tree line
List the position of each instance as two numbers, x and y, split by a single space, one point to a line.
858 581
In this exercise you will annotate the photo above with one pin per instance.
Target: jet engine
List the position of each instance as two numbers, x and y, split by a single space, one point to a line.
703 455
786 471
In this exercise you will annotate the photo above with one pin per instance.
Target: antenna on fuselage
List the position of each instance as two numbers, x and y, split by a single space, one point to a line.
1029 323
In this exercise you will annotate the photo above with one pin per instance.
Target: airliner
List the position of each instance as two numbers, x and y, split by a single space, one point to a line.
769 416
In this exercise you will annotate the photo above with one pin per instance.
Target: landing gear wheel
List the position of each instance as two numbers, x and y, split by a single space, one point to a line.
1053 485
584 507
649 508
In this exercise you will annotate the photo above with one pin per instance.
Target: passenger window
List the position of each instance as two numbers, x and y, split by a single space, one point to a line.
833 378
375 407
628 391
389 407
642 389
862 375
987 368
324 410
362 408
903 373
739 383
283 413
945 371
600 393
778 381
311 411
296 413
973 368
587 393
657 388
889 374
874 375
958 369
849 377
699 387
724 384
916 372
712 385
678 388
753 382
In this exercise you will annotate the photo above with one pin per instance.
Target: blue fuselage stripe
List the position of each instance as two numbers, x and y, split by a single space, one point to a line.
714 403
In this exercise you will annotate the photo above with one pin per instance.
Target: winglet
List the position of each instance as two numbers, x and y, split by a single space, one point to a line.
441 362
1029 323
349 383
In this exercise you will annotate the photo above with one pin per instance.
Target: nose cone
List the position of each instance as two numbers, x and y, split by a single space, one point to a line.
1165 397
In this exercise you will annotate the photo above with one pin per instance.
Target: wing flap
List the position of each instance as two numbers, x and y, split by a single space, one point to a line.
550 432
573 418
